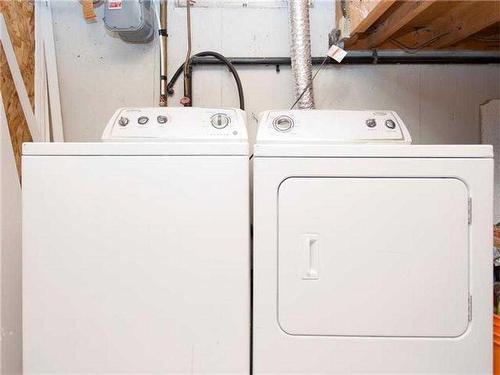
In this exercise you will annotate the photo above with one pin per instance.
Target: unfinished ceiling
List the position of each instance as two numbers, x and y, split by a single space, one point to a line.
413 26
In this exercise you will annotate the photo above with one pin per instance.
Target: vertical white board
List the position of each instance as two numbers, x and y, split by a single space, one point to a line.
490 134
18 81
52 75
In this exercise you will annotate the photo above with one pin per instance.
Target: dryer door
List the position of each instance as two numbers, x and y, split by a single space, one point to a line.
373 257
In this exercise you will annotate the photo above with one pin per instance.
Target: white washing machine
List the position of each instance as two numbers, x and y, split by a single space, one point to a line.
136 252
370 254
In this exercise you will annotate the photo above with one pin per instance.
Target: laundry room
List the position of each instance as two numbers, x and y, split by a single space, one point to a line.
249 186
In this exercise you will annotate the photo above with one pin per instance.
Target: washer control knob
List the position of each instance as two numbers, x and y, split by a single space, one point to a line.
142 120
371 123
220 120
162 119
283 123
390 124
123 121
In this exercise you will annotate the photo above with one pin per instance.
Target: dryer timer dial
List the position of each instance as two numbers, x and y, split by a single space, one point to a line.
283 123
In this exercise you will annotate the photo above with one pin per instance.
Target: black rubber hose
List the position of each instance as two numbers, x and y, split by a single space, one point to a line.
218 56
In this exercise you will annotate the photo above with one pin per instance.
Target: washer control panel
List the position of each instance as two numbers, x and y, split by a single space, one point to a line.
166 124
329 126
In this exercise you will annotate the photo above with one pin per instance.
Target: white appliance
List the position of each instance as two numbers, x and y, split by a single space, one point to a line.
136 252
10 255
370 254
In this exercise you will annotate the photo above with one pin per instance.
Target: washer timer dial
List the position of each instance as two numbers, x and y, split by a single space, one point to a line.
220 120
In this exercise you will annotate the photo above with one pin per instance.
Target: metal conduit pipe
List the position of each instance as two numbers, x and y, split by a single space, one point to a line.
368 58
163 53
300 51
187 99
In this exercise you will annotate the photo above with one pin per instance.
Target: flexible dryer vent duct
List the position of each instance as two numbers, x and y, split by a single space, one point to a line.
301 52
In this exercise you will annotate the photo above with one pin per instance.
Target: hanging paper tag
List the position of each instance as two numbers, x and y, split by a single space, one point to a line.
336 53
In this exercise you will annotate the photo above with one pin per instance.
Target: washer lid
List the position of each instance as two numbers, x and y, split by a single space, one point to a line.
373 257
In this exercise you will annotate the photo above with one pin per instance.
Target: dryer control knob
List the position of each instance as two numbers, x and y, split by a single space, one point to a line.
390 124
283 123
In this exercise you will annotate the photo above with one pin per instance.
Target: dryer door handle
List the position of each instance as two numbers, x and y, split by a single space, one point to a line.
310 250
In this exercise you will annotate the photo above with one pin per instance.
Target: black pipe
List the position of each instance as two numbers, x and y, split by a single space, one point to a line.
361 59
216 57
354 58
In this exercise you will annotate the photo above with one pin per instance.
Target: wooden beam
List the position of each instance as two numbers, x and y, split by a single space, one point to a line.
406 12
364 13
360 15
464 20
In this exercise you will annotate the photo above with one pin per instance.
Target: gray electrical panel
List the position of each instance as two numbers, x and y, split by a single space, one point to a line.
133 20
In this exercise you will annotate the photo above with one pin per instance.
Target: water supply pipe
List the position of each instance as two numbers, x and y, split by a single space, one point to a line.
163 53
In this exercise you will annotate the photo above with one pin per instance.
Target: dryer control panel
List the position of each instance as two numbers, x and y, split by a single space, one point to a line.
331 126
176 124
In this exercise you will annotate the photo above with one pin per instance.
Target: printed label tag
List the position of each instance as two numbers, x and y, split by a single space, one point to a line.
115 4
336 53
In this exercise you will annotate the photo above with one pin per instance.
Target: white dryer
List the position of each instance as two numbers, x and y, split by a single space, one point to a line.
136 251
370 254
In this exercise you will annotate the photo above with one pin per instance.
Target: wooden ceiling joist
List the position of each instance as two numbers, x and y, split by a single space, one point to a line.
406 12
413 25
464 20
363 14
356 16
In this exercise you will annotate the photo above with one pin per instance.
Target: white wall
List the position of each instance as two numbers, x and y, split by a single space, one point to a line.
99 73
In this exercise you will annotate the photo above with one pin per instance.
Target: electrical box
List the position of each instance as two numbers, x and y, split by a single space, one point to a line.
133 20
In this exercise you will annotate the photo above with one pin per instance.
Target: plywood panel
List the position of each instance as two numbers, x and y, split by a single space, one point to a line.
19 16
